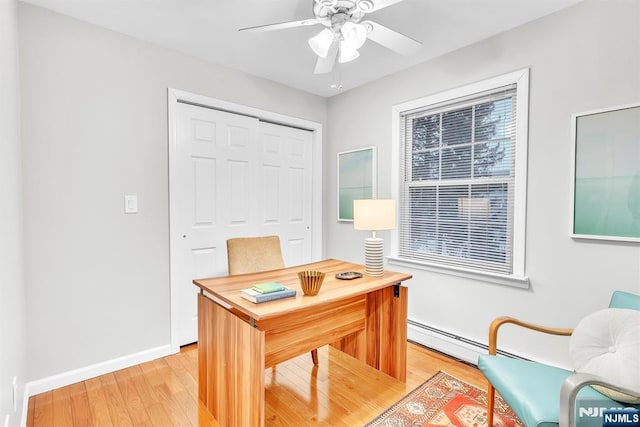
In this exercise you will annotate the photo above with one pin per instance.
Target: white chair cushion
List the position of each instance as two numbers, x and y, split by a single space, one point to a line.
607 344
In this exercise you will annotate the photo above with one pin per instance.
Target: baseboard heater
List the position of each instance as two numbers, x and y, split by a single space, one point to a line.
478 347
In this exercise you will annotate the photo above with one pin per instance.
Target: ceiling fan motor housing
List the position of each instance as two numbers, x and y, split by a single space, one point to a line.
334 13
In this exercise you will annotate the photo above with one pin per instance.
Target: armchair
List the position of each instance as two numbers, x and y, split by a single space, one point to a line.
532 389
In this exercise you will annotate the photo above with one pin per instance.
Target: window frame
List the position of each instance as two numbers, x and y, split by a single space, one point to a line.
521 79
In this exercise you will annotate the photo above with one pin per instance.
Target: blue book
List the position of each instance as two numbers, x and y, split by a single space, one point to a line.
256 297
268 287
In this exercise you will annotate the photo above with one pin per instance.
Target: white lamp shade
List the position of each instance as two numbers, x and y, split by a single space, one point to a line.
354 34
374 214
321 42
346 53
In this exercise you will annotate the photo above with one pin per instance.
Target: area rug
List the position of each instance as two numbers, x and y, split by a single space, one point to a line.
444 400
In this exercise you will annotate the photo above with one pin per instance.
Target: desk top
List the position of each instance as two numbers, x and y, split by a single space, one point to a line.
227 289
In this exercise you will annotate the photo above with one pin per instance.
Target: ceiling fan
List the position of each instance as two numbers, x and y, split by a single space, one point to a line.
346 31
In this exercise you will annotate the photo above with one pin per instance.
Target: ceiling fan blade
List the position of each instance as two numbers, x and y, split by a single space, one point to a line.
281 25
381 4
392 39
325 65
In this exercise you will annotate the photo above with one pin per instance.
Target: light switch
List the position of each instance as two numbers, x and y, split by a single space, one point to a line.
130 203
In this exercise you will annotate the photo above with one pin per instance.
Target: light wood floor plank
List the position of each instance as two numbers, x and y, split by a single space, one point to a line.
80 407
162 388
183 388
313 383
115 402
43 409
155 411
30 410
189 382
62 414
98 405
132 400
304 383
178 392
340 391
286 407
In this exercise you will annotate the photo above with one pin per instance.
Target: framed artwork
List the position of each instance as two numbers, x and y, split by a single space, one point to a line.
606 174
356 179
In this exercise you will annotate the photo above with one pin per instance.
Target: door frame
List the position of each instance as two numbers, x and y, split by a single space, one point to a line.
173 97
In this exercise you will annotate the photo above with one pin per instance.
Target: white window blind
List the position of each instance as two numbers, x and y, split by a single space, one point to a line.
457 182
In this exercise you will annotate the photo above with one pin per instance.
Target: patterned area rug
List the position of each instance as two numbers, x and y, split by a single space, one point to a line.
444 400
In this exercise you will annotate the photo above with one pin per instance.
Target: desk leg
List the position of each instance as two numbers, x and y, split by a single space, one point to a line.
383 341
230 366
387 335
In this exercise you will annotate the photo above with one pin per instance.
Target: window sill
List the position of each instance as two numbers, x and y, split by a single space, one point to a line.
498 279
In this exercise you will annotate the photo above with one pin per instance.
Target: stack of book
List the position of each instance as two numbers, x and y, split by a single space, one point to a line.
269 291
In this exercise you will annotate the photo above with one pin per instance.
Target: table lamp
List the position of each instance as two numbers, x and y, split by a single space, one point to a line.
374 214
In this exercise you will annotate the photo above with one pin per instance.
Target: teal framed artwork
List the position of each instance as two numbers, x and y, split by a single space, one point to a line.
356 179
606 174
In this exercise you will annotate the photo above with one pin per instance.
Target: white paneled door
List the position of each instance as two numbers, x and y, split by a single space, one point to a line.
232 176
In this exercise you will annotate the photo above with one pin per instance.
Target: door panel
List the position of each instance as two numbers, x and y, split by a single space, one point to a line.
287 196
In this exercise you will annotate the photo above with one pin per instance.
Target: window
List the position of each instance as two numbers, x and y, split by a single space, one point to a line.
461 170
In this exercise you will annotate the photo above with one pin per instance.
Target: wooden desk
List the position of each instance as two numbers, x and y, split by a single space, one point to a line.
237 340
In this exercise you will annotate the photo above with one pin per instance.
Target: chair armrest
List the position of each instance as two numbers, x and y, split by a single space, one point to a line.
570 388
493 330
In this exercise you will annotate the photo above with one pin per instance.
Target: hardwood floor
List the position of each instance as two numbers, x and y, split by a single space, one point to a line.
339 392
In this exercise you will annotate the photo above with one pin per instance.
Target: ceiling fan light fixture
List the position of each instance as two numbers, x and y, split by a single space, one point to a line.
327 3
354 34
347 53
365 6
321 42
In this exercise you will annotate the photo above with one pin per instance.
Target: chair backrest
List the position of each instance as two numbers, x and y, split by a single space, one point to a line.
253 254
621 299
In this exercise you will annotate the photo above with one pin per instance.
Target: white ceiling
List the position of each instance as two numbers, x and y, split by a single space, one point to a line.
208 29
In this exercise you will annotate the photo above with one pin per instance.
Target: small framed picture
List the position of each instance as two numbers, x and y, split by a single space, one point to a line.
356 179
605 184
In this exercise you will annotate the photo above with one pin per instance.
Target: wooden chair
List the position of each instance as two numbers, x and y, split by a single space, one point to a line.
254 254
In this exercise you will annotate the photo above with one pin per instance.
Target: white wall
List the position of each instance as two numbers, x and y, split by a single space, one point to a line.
582 58
13 343
94 123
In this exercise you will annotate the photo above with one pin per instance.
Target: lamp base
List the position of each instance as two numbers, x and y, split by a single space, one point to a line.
373 256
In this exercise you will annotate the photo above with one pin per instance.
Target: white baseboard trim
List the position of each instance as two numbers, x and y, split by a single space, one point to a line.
444 343
461 348
60 380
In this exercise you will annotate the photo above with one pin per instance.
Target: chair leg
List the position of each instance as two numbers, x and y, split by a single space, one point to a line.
491 395
314 356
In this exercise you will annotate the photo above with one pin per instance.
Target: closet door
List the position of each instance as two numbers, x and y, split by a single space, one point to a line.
232 176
